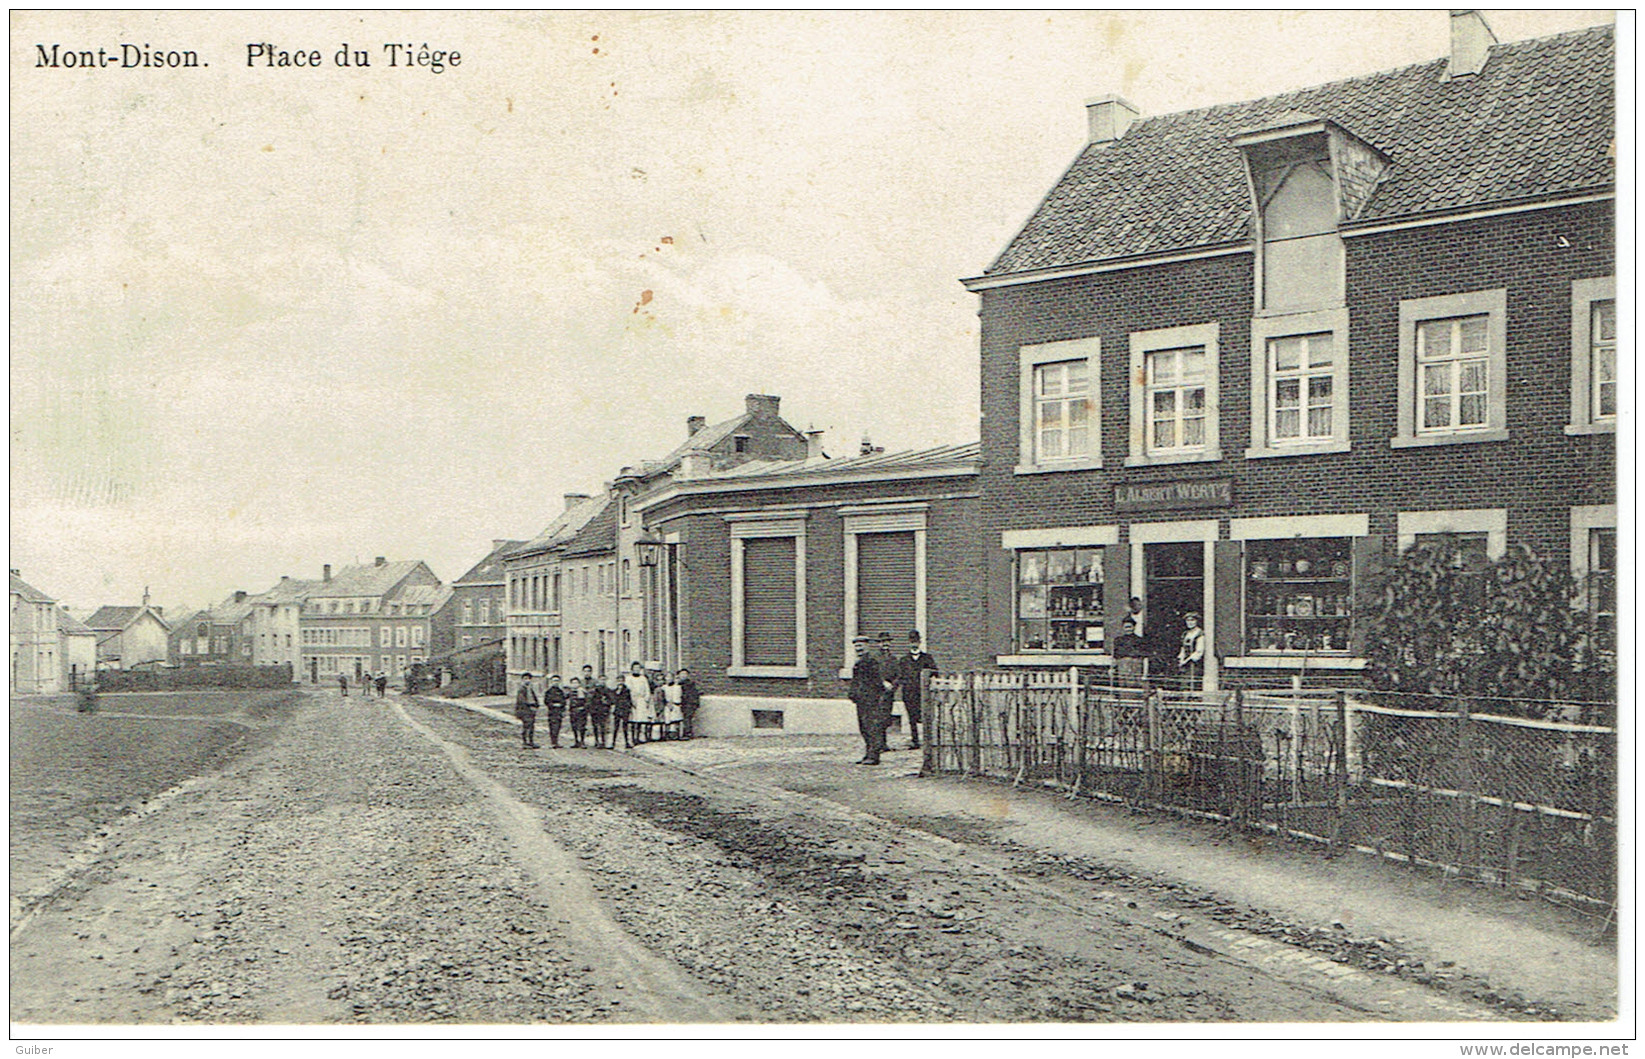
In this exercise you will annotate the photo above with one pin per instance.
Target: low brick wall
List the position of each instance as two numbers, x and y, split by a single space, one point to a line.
115 680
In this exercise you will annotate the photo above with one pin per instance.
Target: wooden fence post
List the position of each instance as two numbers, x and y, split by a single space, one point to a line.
1339 778
1156 777
928 756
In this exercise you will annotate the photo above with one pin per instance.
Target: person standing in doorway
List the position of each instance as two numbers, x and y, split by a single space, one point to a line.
525 709
1130 653
554 708
906 674
867 692
1191 658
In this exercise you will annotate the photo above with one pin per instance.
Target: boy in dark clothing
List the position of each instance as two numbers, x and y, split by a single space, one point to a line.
554 707
525 708
577 700
690 699
622 708
599 712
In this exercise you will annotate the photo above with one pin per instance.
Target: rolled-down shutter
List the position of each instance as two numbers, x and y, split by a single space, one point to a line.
1116 590
768 602
1229 567
1368 578
885 584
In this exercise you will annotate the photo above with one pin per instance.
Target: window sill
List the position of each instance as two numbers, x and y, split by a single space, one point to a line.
1581 429
1053 468
1053 658
1209 456
798 672
1294 662
1475 437
1319 448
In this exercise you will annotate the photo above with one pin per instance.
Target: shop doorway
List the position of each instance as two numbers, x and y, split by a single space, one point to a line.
1174 585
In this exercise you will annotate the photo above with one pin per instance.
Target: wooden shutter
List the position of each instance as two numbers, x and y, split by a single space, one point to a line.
1228 569
1002 593
1116 591
1368 577
885 584
768 602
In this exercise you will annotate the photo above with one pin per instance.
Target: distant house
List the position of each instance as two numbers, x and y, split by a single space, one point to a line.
370 618
130 636
276 624
476 613
36 644
79 649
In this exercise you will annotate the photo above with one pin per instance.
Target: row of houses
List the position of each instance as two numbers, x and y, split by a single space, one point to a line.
1234 362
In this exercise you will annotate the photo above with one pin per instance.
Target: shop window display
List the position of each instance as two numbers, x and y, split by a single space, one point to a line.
1059 600
1299 596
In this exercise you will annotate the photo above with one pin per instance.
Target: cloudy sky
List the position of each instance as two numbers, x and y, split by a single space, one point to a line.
264 319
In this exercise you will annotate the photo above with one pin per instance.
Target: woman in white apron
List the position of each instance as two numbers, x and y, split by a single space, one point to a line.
673 719
639 691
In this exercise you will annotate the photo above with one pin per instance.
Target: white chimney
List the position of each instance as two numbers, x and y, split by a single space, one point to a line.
813 445
1109 117
1471 41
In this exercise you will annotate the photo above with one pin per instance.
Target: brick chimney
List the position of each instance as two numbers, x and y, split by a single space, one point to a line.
380 561
694 424
1108 117
694 463
240 596
765 403
325 574
1471 40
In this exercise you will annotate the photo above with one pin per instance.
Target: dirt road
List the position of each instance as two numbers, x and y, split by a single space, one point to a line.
387 861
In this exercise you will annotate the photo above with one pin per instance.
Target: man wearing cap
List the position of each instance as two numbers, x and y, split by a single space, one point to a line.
906 674
868 690
888 666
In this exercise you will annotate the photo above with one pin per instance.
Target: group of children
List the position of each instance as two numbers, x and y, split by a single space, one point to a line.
640 707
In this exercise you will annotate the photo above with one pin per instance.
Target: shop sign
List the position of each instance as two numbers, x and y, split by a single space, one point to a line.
1160 496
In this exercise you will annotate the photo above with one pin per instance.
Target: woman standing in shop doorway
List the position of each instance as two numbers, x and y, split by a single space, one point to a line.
1191 658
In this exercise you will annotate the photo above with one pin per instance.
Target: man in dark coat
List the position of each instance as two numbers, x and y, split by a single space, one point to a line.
525 708
868 690
905 674
690 699
554 707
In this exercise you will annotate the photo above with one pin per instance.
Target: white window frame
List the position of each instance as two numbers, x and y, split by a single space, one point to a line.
1291 527
767 524
1146 342
1584 293
1491 521
1586 518
1014 541
1493 304
1030 359
1182 532
1266 328
880 518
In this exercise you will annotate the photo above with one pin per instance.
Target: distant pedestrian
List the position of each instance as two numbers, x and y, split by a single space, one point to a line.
577 702
525 708
554 708
690 699
639 692
87 697
382 685
342 682
868 694
599 709
622 714
906 675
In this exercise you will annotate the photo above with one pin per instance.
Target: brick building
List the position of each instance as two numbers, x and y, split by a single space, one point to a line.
373 618
536 586
1239 356
477 612
763 572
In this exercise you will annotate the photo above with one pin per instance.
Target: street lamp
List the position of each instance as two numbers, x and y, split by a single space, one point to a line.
649 552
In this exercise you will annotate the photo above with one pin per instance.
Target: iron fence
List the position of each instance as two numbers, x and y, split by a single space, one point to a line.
1510 801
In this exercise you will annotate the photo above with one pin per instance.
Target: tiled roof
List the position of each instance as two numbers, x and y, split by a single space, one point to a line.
702 441
563 527
1538 121
962 458
229 612
433 595
490 569
367 579
289 590
112 619
30 594
71 625
598 534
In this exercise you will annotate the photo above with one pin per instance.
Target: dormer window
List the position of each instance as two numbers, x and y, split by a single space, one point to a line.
739 443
